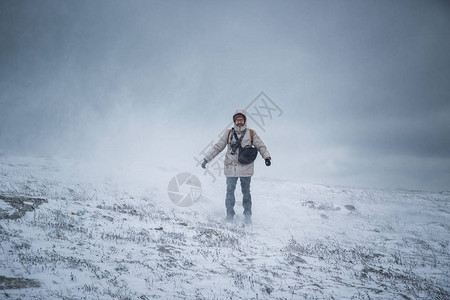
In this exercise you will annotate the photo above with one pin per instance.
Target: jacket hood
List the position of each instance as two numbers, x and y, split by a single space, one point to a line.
242 112
237 128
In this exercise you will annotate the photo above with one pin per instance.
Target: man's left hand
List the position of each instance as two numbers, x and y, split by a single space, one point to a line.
204 163
268 163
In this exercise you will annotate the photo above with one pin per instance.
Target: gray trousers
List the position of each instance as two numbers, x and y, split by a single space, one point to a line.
247 198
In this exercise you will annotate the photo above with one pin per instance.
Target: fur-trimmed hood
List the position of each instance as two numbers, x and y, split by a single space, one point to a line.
237 128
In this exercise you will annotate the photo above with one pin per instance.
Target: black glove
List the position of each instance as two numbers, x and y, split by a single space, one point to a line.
204 163
268 163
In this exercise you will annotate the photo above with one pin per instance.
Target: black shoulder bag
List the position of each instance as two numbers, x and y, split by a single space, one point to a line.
246 155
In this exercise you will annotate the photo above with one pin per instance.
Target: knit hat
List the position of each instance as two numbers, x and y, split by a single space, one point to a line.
239 115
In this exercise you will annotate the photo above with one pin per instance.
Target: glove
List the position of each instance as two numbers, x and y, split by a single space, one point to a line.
268 163
204 163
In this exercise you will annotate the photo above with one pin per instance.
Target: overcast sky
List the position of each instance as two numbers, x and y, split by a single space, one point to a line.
363 86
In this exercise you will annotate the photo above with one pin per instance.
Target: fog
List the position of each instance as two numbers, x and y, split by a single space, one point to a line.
362 87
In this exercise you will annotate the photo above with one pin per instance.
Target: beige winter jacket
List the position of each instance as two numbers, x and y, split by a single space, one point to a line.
233 168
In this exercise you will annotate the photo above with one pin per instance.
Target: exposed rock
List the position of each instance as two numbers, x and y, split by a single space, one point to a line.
20 205
8 283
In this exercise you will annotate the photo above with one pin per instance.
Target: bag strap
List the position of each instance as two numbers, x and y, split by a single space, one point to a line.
251 134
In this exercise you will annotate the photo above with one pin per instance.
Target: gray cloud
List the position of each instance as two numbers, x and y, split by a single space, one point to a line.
363 85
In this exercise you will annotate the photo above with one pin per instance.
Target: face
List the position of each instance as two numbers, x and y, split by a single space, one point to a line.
239 121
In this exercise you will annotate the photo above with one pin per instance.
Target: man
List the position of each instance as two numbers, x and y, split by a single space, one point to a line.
244 136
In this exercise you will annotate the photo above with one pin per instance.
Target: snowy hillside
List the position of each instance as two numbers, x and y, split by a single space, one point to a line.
69 232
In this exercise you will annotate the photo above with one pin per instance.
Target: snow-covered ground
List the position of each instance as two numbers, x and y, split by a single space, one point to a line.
71 231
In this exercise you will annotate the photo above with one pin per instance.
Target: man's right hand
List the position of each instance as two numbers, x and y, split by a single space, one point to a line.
204 163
